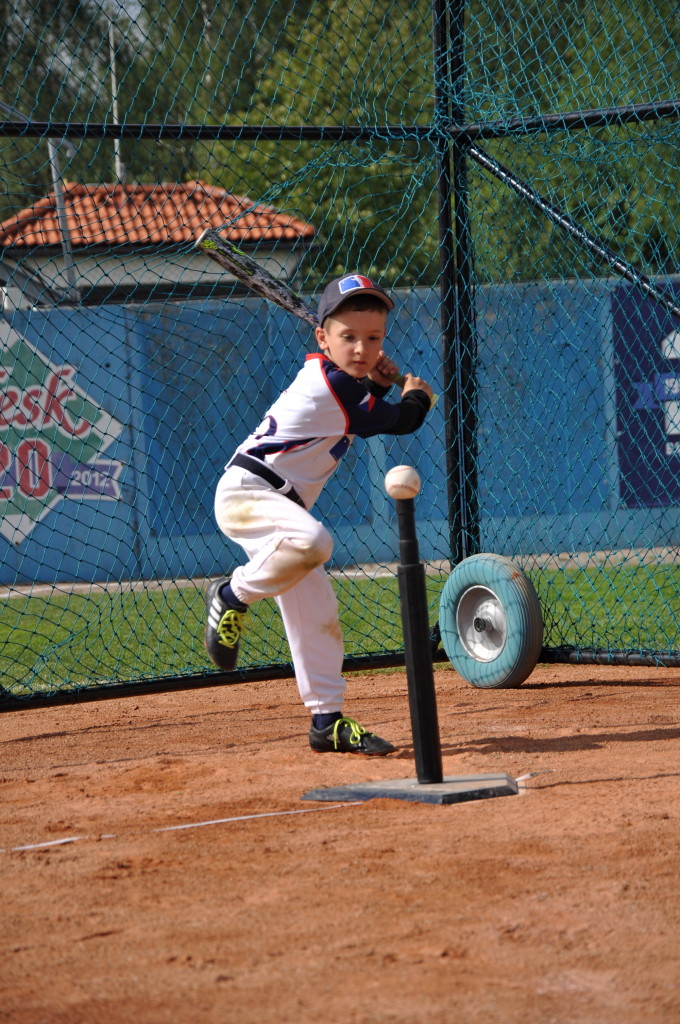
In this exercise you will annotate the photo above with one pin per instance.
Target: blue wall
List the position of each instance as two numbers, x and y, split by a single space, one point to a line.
186 383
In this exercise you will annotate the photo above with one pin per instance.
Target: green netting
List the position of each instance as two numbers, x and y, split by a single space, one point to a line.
510 170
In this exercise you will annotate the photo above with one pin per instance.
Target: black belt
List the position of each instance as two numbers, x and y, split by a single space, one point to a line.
259 468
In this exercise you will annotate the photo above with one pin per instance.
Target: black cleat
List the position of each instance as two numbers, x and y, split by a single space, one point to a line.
223 629
348 737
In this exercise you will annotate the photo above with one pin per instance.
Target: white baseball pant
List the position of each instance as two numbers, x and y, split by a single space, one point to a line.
286 548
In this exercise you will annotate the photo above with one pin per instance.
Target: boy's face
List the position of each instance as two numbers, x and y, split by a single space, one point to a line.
353 339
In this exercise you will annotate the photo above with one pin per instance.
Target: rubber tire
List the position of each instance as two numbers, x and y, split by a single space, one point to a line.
514 648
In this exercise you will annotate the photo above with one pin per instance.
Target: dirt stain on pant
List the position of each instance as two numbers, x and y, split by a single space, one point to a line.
332 629
239 513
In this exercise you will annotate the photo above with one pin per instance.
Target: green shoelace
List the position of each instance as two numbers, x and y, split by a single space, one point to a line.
230 627
356 731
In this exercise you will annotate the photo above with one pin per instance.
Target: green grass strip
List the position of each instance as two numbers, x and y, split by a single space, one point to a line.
65 641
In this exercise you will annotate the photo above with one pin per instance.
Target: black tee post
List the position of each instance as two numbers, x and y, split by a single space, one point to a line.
417 651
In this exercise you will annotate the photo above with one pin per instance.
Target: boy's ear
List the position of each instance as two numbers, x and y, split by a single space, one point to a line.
321 338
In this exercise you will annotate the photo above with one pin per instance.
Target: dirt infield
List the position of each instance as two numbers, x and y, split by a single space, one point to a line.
559 904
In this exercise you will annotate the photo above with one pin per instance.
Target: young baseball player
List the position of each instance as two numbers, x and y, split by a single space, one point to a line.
265 496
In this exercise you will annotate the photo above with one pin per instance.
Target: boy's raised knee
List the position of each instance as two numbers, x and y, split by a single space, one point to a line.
315 547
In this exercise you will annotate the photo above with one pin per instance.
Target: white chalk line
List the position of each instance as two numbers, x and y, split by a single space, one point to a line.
178 828
40 846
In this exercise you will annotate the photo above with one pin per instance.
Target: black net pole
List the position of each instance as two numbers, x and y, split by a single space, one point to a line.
466 346
574 120
447 276
456 283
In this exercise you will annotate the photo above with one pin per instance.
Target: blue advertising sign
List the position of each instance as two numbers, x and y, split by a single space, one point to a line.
53 436
647 372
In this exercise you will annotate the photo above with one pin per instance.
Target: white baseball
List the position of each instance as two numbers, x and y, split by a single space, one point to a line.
402 482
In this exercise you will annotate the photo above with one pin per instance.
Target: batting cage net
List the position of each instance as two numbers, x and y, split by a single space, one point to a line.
508 170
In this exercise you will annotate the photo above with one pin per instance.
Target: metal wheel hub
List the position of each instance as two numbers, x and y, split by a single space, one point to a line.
481 623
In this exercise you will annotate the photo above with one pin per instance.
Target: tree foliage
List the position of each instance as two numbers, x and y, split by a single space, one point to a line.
366 196
527 59
328 64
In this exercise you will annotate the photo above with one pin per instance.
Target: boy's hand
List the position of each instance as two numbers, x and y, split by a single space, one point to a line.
411 383
384 371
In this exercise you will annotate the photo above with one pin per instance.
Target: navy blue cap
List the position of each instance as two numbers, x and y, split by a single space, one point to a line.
343 288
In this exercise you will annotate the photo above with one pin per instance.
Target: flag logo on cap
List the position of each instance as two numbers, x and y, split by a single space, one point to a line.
350 284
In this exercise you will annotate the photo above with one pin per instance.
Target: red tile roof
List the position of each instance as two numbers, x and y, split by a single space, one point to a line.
148 215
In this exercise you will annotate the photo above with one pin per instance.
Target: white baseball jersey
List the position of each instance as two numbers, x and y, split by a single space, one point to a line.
302 438
308 429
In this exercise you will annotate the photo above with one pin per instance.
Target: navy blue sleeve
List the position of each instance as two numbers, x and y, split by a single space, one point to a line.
367 415
413 409
377 390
